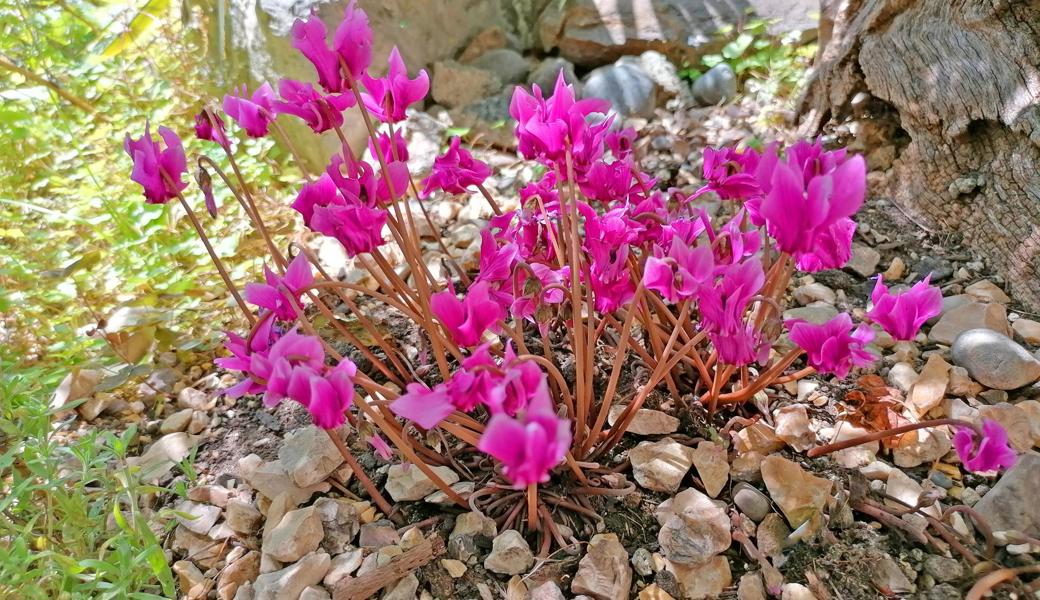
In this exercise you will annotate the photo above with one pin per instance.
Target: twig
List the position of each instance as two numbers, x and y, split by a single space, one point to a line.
368 585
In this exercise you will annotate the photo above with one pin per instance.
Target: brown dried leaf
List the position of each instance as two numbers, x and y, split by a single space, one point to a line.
878 407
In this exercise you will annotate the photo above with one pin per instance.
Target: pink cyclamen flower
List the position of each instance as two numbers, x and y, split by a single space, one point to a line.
424 406
834 347
729 173
358 226
391 149
832 250
209 126
530 445
546 127
321 113
800 211
902 315
353 42
330 395
253 113
455 170
309 37
467 320
388 97
680 273
241 357
380 446
158 171
608 182
991 453
276 293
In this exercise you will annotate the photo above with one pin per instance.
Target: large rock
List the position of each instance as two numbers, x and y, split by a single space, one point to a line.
507 64
660 466
799 494
706 580
694 527
272 480
994 360
232 577
970 315
510 554
298 533
289 583
630 90
408 482
341 523
604 572
162 455
716 86
545 74
596 32
455 84
309 455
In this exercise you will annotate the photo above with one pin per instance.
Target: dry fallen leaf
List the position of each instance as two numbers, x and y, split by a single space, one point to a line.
878 407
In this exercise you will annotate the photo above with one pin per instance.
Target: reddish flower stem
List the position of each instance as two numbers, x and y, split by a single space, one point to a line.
212 253
880 435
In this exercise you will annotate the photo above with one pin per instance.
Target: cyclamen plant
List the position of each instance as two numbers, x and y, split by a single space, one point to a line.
595 267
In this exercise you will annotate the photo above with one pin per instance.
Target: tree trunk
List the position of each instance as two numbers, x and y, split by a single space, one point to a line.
945 96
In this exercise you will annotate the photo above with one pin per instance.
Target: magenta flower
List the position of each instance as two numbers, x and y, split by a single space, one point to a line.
158 171
276 293
309 37
382 449
209 126
902 315
358 226
527 305
467 320
608 182
321 113
740 345
834 347
729 173
471 385
240 359
391 150
424 406
530 445
621 142
832 250
724 302
278 368
992 452
799 212
254 114
454 171
545 127
353 42
388 97
329 396
679 274
521 382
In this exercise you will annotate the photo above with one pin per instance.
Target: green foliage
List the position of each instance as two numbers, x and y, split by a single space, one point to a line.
92 274
770 67
79 240
70 522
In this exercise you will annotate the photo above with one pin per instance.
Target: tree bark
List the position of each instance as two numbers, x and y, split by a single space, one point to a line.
951 113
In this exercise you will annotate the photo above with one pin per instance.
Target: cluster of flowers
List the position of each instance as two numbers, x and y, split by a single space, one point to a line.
632 237
524 433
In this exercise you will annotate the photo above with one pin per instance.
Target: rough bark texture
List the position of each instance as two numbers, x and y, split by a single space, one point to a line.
955 88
